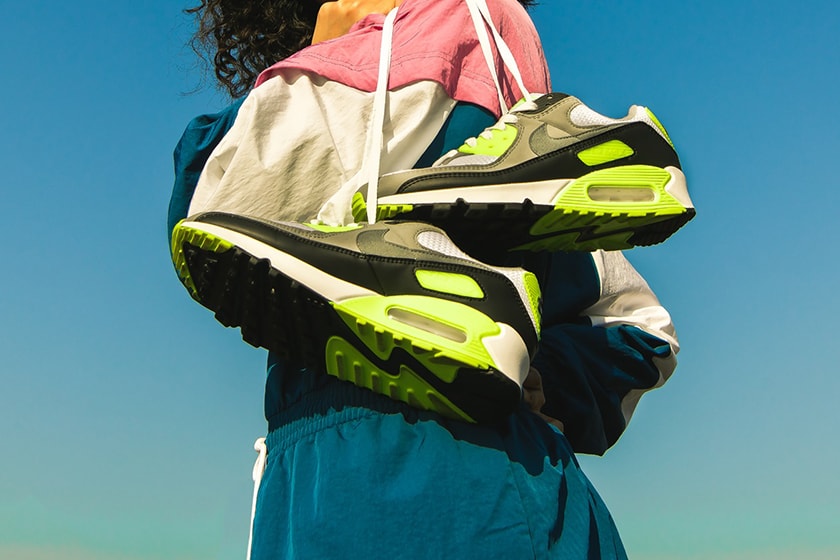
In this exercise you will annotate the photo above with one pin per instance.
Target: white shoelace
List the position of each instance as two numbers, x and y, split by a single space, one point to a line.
481 20
337 210
480 15
372 161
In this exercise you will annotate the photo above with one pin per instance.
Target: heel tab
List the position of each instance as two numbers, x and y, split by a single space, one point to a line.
648 116
534 294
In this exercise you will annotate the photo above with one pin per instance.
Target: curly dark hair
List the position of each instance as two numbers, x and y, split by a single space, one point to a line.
243 37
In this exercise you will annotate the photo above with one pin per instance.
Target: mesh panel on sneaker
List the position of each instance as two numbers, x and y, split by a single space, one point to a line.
473 159
436 241
582 115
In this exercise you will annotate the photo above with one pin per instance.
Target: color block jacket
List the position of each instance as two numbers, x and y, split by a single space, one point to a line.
606 339
345 464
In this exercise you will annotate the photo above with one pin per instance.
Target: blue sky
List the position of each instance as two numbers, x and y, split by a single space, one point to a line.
127 414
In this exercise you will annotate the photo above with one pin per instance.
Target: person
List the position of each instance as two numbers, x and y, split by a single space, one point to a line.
351 473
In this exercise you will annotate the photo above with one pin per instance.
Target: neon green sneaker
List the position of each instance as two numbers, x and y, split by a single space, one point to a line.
551 175
396 308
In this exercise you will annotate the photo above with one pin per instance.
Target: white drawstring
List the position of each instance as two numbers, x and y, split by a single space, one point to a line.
259 469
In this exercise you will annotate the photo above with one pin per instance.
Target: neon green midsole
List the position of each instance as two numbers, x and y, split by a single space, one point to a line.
347 363
441 345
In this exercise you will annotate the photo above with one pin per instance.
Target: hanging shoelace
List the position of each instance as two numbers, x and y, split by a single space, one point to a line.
336 211
478 12
372 163
481 18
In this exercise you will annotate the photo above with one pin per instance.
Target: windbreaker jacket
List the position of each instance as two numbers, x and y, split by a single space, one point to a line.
605 337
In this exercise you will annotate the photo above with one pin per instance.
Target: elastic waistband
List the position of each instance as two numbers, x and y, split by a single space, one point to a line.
331 405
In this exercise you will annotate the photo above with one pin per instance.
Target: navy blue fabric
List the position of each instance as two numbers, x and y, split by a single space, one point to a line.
352 474
201 136
586 372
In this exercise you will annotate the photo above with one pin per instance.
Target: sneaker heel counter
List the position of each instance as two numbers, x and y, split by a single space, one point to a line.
532 289
645 115
664 133
526 317
659 126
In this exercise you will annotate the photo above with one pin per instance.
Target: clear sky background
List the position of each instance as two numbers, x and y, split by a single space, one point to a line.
127 414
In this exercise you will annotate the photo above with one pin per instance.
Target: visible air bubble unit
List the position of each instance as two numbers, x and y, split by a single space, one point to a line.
631 190
407 317
621 194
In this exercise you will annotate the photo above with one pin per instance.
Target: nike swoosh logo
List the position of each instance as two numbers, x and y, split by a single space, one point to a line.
554 132
548 138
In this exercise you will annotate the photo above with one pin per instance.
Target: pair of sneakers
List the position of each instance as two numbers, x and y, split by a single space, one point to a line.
396 306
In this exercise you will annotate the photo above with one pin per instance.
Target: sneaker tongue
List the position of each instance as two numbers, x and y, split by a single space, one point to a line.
546 100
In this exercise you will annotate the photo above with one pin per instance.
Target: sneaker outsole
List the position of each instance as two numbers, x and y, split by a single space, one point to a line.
573 220
507 227
276 312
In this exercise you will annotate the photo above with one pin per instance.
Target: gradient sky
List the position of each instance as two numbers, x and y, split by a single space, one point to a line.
127 414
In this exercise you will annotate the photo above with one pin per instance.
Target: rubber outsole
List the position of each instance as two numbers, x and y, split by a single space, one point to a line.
507 227
611 209
275 312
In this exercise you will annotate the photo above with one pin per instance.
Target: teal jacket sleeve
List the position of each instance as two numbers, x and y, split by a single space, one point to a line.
201 136
606 340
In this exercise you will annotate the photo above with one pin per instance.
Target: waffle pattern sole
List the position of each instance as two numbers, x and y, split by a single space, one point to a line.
275 312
